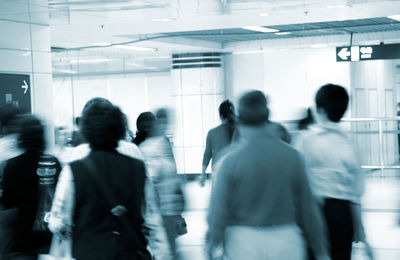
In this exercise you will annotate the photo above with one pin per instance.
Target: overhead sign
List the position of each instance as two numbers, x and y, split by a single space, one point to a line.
15 89
368 52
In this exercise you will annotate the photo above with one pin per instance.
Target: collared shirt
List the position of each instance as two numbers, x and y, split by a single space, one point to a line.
64 198
332 162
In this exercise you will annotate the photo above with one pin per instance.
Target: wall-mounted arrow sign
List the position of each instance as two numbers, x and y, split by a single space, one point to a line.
25 87
344 53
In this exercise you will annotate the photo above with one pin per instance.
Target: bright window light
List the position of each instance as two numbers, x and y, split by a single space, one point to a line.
395 17
134 48
319 45
260 29
161 20
263 14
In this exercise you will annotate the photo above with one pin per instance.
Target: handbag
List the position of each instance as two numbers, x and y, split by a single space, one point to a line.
181 226
116 209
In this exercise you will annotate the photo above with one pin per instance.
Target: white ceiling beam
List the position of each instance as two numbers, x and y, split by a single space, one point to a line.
195 23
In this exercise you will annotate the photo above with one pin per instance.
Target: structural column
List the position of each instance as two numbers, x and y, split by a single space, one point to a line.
25 55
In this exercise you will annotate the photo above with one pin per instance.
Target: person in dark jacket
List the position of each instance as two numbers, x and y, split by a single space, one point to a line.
29 183
99 230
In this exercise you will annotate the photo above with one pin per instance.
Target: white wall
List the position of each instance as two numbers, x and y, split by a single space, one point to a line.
25 49
133 93
289 77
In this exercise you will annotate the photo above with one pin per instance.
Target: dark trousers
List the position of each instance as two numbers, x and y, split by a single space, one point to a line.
339 222
171 230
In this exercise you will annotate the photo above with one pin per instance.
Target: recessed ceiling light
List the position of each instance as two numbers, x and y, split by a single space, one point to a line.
283 33
395 17
263 14
260 29
134 48
161 20
101 44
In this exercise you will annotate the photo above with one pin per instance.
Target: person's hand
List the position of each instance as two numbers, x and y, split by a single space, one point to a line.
202 180
368 251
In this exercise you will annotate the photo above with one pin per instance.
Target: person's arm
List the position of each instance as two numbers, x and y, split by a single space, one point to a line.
206 159
219 213
60 221
308 214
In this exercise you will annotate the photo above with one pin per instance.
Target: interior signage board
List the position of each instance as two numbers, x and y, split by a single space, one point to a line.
368 52
16 89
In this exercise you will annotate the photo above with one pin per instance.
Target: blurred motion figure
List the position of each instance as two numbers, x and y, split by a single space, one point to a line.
219 137
261 205
334 170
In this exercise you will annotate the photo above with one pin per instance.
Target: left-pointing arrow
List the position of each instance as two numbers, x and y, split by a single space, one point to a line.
25 87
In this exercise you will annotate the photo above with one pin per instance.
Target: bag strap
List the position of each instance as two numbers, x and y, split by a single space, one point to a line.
117 210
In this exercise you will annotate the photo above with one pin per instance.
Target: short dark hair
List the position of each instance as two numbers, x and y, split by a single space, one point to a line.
103 125
333 99
31 134
253 110
145 121
96 100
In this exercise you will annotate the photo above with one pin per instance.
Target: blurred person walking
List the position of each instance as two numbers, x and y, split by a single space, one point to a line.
163 175
29 183
99 198
219 138
334 170
261 205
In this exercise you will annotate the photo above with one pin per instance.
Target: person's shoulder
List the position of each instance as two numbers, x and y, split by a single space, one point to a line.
129 149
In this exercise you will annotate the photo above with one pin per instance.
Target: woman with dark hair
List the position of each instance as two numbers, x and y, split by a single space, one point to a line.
28 186
219 137
101 196
144 124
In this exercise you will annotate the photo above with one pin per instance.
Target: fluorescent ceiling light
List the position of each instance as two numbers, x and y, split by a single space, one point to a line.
395 17
161 20
259 29
102 44
283 33
90 61
134 48
337 6
263 14
319 45
26 53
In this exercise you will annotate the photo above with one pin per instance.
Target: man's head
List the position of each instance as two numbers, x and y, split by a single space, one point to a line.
332 100
253 110
103 125
31 134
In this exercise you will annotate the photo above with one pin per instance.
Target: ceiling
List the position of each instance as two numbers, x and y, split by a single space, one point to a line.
177 26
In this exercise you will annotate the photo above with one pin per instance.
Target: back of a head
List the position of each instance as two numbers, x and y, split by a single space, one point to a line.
333 99
103 125
31 134
8 115
95 101
226 109
145 122
253 110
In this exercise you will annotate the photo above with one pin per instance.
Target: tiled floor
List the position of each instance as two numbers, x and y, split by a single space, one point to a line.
381 215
